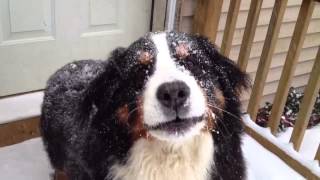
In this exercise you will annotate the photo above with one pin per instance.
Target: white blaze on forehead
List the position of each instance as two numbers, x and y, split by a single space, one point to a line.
163 57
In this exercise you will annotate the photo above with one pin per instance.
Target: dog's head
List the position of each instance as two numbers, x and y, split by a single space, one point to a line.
171 86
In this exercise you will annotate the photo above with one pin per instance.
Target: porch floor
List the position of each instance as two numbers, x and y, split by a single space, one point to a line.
28 161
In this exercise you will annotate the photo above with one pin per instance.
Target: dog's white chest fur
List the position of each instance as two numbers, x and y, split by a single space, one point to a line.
159 160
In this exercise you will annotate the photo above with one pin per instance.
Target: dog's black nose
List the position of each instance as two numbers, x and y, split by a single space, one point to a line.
173 94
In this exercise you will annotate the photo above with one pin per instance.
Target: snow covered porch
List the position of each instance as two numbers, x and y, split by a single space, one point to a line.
28 160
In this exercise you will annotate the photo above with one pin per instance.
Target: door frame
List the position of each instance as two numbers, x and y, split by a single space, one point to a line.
163 15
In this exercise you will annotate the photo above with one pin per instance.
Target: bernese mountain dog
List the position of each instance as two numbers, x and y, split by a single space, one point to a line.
165 108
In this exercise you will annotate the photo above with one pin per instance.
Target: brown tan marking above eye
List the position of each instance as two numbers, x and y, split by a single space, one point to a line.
182 51
145 57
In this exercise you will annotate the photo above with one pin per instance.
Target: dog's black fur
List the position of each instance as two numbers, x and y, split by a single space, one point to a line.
80 126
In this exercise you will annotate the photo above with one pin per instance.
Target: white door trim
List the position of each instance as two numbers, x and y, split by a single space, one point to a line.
171 14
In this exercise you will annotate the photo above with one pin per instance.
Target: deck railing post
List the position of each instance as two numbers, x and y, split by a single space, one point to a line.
249 32
290 63
310 95
206 19
232 17
266 56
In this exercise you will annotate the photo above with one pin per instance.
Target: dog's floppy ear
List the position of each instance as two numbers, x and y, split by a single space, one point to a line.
239 80
102 89
117 54
230 72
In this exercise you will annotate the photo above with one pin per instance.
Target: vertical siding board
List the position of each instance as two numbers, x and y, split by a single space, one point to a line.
296 43
307 104
233 13
249 33
266 56
206 19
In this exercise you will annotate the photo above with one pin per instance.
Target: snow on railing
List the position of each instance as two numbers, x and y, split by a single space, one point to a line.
286 148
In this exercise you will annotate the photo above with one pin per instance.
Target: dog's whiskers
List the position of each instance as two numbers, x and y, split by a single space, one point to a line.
233 115
133 110
132 102
226 130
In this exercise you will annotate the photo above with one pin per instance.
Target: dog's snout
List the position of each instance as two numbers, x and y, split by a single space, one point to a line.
173 95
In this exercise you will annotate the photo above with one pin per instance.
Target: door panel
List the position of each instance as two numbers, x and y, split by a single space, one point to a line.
39 36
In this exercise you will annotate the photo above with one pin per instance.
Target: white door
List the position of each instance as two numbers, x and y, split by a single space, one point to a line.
39 36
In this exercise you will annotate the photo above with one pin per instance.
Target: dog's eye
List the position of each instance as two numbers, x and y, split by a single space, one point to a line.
192 65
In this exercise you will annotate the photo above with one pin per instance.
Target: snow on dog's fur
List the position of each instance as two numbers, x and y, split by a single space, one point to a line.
166 107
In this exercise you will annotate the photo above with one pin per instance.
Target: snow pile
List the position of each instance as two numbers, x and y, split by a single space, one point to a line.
286 147
25 161
263 165
310 142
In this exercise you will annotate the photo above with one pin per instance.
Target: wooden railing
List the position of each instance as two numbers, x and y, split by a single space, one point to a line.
206 22
18 131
